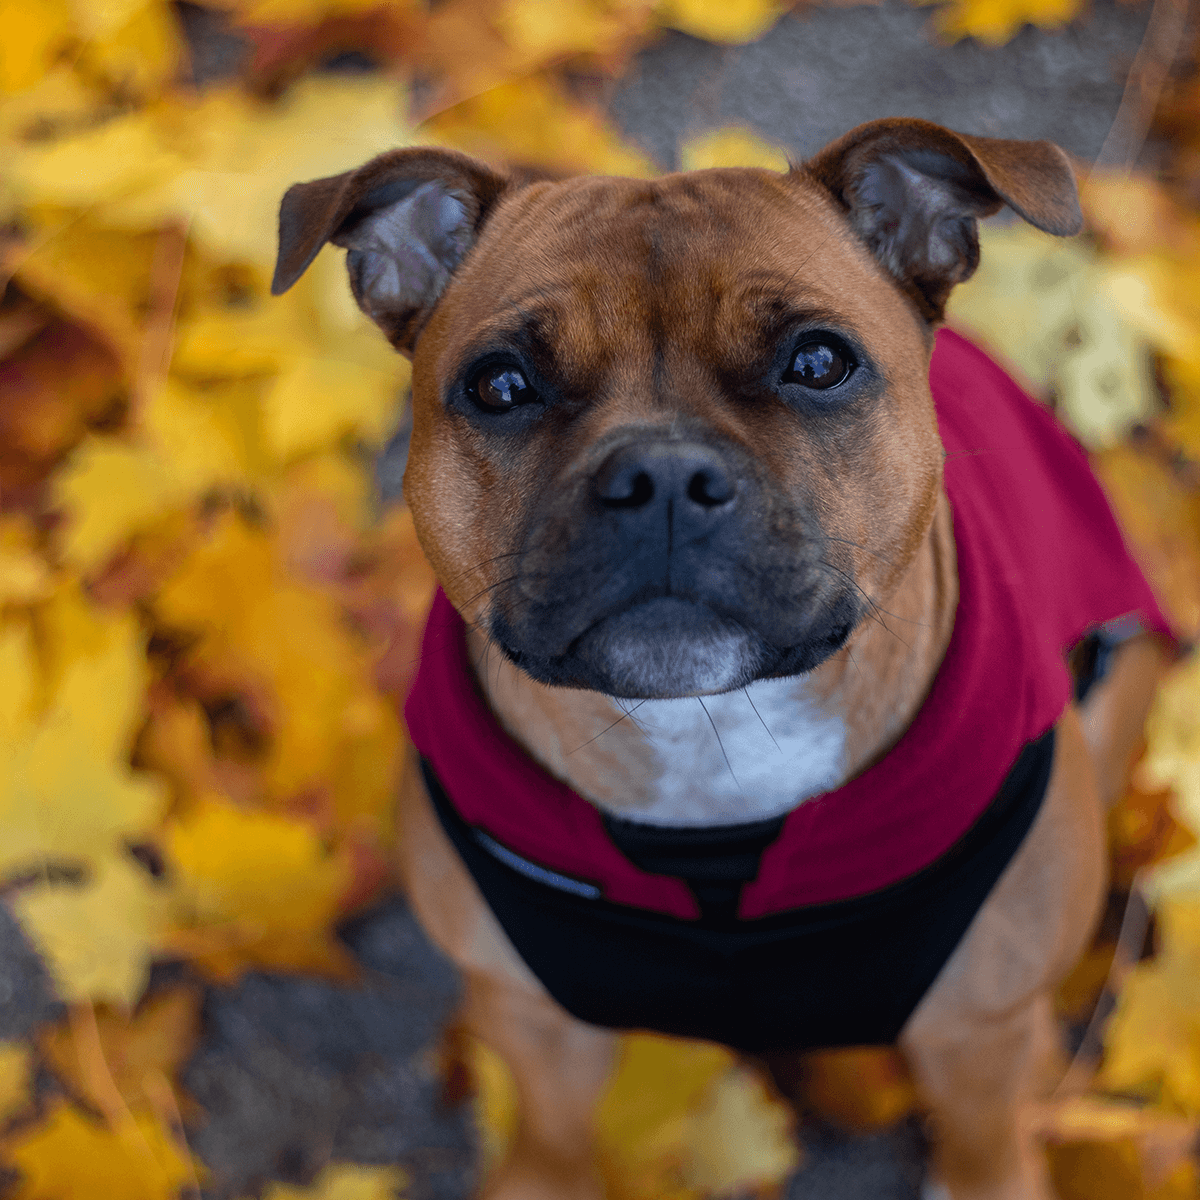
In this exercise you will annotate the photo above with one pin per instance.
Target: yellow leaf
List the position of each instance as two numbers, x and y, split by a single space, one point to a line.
198 437
345 1181
321 399
529 121
732 146
95 165
136 47
18 681
303 12
97 939
96 672
243 154
16 1074
257 339
111 489
995 21
24 575
66 791
268 877
1153 1041
546 30
732 21
740 1138
36 32
1040 304
289 638
72 1155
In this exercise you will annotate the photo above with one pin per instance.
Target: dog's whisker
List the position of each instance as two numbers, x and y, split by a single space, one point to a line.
760 720
626 714
719 742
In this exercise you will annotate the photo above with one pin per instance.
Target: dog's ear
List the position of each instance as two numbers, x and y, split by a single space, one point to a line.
913 191
407 219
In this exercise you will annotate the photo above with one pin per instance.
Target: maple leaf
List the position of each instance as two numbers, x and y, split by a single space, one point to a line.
97 940
731 146
1040 303
109 490
116 1059
678 1120
16 1075
134 48
56 384
731 21
264 888
24 574
66 791
529 121
995 21
1153 1043
344 1181
72 1155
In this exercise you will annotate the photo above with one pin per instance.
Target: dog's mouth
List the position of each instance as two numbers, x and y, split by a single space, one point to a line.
668 647
671 647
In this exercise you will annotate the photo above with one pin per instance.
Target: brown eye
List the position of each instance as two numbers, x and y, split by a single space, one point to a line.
500 388
820 365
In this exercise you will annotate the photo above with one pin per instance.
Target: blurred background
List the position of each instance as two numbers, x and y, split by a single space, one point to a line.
211 595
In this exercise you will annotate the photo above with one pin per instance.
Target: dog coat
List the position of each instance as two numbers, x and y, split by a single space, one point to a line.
827 925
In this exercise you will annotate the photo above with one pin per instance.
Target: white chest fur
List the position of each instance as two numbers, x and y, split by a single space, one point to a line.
738 757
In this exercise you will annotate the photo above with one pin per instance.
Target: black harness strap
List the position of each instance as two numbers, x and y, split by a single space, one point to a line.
846 973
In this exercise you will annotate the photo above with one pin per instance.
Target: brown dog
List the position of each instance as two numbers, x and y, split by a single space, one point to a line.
675 439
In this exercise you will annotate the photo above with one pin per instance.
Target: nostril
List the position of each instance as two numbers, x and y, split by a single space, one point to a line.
632 490
709 489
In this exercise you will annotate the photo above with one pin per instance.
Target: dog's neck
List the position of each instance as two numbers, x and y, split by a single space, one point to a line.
753 753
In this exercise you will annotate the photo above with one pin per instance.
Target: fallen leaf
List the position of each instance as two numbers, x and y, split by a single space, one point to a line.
996 21
97 938
731 146
16 1075
266 879
345 1181
130 1053
861 1088
732 21
72 1155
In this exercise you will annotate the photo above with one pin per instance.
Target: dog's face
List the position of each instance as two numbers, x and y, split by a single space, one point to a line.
672 437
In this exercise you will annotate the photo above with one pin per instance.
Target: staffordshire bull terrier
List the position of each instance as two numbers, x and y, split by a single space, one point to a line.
742 712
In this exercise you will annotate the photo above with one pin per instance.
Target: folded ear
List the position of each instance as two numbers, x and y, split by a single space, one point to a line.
913 191
407 219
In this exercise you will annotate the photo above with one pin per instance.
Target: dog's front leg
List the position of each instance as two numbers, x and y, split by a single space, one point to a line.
560 1067
981 1044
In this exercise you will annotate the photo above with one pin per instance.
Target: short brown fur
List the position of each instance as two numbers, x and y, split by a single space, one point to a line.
647 302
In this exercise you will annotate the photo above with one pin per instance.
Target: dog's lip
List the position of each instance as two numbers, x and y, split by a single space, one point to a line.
668 606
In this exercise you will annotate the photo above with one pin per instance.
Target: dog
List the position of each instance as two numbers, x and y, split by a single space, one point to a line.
742 711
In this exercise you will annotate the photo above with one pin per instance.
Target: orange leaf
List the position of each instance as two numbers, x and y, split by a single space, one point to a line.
859 1087
125 1053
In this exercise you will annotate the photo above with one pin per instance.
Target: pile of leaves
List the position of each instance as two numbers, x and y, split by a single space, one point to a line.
206 616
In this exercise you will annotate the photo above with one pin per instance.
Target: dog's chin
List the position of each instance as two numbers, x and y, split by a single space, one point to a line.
667 648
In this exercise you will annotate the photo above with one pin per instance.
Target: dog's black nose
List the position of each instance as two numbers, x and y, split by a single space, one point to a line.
642 475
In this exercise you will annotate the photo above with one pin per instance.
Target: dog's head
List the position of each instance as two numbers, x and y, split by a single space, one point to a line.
673 436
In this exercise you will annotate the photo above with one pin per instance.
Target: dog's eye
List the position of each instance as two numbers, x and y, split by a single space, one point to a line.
499 388
820 365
